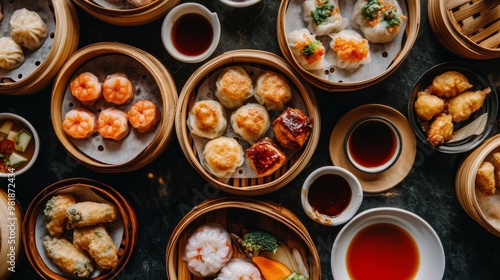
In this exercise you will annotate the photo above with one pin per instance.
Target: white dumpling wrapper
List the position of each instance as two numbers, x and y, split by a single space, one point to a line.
223 155
11 54
211 115
349 35
334 23
233 87
28 29
237 269
250 121
301 37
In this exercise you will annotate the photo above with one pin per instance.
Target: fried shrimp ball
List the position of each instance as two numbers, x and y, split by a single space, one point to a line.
463 105
485 178
427 105
441 130
449 84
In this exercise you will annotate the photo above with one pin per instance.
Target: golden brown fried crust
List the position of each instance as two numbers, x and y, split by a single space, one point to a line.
485 178
90 213
66 256
441 130
272 91
449 84
265 157
427 105
292 128
96 241
55 213
463 105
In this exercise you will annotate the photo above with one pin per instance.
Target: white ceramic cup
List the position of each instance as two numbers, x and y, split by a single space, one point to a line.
240 3
377 156
352 205
174 15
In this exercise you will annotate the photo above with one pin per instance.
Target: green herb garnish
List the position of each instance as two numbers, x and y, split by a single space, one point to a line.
310 49
391 19
322 13
370 9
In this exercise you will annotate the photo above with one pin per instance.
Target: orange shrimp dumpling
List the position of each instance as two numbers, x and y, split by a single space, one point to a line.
144 115
87 88
113 124
118 89
80 123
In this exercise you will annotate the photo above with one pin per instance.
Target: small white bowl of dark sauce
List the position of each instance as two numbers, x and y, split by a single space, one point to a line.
239 3
190 32
331 195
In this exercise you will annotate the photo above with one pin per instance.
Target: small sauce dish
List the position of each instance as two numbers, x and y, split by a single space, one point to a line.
373 144
331 195
190 32
239 3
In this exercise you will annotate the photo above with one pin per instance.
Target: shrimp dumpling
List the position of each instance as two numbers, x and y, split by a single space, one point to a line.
112 123
307 50
87 88
208 249
323 17
207 118
222 156
250 121
238 268
350 49
80 123
272 91
378 20
11 54
118 89
233 87
28 29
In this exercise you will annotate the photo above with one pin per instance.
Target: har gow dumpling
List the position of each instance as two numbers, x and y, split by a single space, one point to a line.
11 54
378 20
233 87
207 118
28 29
272 91
308 51
238 268
350 49
323 17
223 155
250 121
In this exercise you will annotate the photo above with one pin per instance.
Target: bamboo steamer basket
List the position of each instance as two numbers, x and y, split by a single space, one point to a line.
467 28
410 35
228 212
125 212
263 60
154 68
65 41
11 220
128 17
465 184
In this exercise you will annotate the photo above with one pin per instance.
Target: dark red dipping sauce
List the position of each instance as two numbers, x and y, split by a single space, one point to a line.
192 34
329 194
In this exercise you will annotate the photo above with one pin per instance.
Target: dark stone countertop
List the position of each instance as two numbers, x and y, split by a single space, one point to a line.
428 190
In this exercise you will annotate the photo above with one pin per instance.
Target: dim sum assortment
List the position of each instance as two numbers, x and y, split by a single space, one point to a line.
11 54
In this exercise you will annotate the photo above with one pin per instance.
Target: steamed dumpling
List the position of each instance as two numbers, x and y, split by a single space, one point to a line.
272 91
237 268
234 87
323 17
207 118
378 20
11 54
250 121
309 52
350 49
223 155
28 29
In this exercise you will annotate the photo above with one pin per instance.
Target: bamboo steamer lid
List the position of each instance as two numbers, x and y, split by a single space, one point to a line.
262 60
128 17
465 184
80 186
410 35
154 68
10 232
227 212
65 41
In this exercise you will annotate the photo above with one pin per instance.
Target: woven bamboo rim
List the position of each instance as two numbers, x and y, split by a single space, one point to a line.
66 39
410 33
277 219
253 186
127 215
165 83
128 17
7 217
465 182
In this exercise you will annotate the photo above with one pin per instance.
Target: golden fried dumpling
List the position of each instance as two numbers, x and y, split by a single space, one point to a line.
96 241
55 213
496 164
223 155
272 91
233 87
449 84
427 105
485 178
441 130
250 121
292 128
463 105
207 118
265 157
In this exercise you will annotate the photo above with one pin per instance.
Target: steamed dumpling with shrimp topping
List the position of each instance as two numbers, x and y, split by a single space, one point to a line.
272 91
307 50
250 121
378 20
207 118
350 49
323 16
234 87
222 156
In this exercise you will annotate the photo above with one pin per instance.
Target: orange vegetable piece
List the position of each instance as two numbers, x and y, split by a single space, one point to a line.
271 269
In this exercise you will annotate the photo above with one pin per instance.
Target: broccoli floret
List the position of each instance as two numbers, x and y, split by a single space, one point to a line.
296 276
256 241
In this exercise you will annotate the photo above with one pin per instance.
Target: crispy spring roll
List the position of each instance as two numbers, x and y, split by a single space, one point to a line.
66 256
96 241
55 213
89 213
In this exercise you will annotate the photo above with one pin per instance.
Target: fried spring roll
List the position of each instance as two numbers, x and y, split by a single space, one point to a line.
96 241
66 256
89 213
55 213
